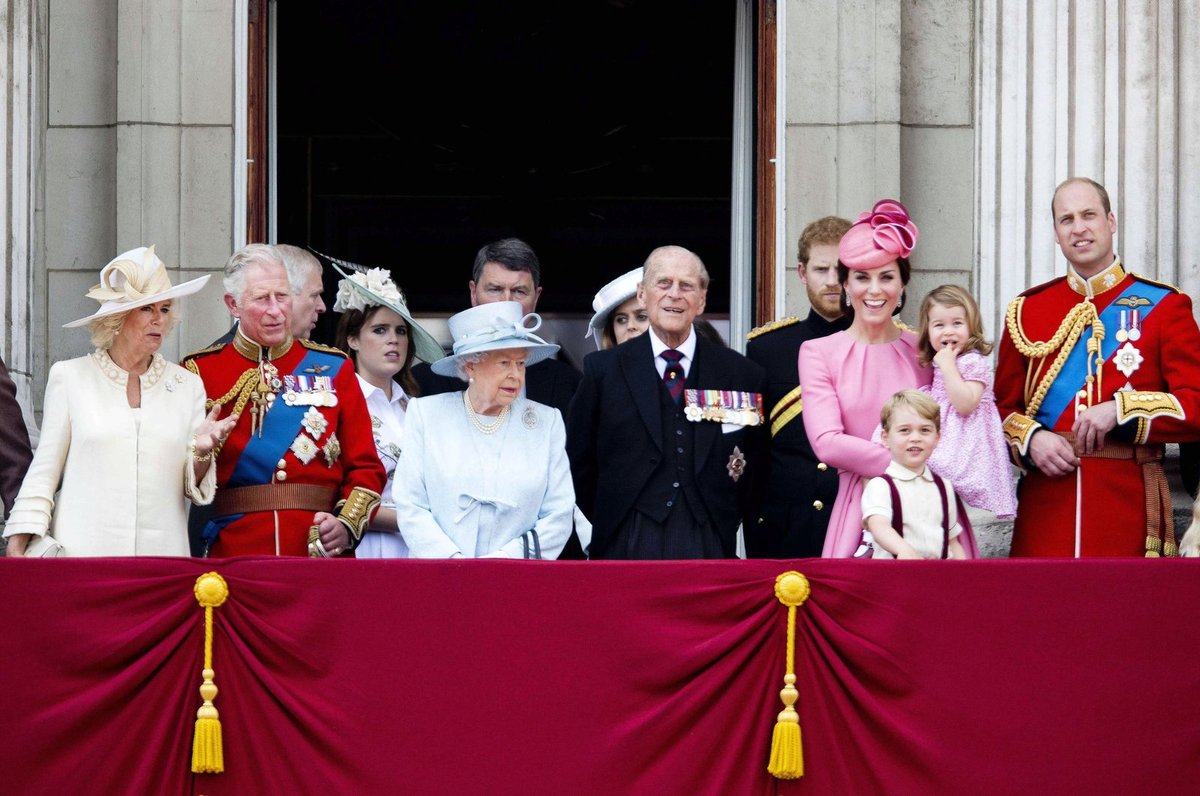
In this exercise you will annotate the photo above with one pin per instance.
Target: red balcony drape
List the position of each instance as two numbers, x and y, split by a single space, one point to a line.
505 677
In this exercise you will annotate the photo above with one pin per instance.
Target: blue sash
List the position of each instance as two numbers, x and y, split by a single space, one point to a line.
1073 376
257 462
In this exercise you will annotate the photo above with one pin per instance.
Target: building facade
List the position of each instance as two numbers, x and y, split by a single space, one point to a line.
135 123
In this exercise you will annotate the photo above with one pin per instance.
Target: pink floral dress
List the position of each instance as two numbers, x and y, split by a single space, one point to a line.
972 453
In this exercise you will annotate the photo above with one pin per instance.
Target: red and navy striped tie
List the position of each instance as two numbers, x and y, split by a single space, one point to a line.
673 376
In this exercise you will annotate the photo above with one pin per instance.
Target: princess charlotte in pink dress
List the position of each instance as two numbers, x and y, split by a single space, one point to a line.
846 377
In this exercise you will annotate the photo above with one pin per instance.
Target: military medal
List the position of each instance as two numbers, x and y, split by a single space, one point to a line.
1135 325
723 406
736 465
1123 332
1128 359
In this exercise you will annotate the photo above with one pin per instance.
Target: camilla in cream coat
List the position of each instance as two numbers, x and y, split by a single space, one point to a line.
125 444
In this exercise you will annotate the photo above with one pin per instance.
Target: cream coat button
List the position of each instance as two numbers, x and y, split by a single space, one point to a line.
822 466
818 505
281 475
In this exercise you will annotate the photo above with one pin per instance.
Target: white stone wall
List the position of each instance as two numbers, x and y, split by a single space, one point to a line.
21 73
879 101
1105 90
138 145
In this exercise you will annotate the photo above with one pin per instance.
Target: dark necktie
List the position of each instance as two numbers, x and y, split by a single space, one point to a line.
673 376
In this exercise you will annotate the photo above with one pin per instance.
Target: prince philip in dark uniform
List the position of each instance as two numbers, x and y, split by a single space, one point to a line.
796 490
665 430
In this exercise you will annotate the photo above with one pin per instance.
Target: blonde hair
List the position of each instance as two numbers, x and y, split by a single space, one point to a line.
951 296
104 330
920 403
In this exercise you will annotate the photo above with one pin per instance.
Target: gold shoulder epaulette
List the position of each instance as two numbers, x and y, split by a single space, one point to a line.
328 349
1167 285
772 326
212 349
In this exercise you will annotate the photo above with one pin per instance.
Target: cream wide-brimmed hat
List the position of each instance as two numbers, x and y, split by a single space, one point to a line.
611 296
134 279
360 290
494 327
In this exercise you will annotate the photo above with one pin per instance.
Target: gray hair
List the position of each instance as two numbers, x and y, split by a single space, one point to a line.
665 253
460 364
299 264
253 254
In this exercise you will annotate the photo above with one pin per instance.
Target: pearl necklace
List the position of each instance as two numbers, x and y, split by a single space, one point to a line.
482 427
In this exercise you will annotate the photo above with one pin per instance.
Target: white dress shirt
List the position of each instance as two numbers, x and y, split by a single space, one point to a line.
687 348
921 505
387 427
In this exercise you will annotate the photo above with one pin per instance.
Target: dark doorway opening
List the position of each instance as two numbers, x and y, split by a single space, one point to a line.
409 134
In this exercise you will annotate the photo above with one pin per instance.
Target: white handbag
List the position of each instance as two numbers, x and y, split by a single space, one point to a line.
44 547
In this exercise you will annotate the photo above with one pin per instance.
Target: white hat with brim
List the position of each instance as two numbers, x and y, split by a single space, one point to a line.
611 296
371 288
134 279
496 326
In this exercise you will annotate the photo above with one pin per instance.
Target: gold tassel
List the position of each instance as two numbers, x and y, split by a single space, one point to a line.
787 752
207 754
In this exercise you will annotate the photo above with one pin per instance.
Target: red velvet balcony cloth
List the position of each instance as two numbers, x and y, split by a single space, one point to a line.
509 677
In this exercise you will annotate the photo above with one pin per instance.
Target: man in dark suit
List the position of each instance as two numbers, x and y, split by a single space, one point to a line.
796 490
15 452
508 270
665 429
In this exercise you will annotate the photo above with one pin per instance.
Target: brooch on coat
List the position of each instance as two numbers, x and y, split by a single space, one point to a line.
737 464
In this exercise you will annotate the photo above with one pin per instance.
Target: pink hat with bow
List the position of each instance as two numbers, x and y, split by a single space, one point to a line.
880 236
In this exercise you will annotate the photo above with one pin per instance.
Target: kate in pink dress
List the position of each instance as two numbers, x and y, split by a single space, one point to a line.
843 383
846 377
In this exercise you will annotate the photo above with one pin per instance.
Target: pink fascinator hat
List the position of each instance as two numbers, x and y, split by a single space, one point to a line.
880 236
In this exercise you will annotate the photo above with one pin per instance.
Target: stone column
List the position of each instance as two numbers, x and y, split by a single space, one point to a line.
138 146
22 75
879 100
1095 89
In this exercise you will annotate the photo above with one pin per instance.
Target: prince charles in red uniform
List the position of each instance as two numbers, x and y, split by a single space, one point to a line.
298 475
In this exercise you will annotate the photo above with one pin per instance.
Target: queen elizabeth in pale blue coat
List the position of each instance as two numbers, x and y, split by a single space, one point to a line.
484 472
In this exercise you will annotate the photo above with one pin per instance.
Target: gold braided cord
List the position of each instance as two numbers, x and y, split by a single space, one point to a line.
243 389
1064 339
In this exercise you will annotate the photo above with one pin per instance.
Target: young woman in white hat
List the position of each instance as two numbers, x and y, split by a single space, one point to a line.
379 335
619 316
123 431
484 472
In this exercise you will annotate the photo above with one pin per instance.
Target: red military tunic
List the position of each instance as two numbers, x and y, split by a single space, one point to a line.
315 450
1149 355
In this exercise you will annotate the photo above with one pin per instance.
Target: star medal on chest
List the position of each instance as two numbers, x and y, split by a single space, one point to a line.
737 464
1128 359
